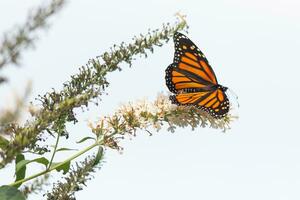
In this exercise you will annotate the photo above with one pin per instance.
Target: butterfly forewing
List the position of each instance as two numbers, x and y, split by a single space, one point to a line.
180 80
188 55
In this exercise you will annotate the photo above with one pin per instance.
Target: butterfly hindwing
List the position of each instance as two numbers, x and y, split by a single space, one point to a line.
215 102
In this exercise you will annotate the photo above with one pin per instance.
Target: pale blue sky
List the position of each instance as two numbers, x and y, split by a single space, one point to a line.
253 47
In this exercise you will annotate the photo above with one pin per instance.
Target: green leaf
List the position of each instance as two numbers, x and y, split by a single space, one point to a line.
3 143
10 193
22 163
65 149
99 155
85 138
20 173
65 167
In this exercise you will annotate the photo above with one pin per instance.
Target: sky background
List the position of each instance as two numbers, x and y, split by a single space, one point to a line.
253 46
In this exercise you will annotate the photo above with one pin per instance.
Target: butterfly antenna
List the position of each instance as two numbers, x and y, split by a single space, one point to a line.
234 95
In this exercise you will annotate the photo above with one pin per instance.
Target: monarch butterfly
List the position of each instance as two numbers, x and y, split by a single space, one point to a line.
193 81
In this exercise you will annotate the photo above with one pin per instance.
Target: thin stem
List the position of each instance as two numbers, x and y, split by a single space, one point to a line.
75 156
29 178
58 165
54 151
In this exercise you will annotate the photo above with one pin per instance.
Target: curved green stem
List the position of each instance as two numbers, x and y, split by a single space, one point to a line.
54 151
74 156
58 165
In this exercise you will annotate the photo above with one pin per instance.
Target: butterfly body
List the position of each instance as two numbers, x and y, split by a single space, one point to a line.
192 80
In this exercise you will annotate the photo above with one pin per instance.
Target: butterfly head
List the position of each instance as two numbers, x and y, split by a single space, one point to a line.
223 88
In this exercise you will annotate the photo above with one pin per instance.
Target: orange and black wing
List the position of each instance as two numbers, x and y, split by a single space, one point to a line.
190 62
215 102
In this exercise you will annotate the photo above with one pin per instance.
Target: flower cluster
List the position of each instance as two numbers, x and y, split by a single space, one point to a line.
145 115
